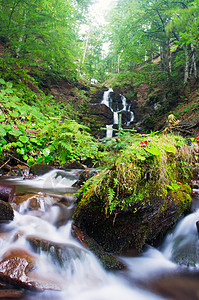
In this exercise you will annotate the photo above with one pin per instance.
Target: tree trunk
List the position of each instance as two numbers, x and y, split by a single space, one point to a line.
193 69
86 46
186 73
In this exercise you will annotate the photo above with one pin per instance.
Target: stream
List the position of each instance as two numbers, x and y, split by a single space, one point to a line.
167 272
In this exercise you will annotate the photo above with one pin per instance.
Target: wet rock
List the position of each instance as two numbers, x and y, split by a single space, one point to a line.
6 192
40 169
62 254
197 226
108 260
126 230
185 250
64 213
11 294
182 286
20 198
6 212
16 268
36 203
74 165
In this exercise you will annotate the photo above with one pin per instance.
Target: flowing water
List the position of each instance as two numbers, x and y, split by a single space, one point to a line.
118 107
84 278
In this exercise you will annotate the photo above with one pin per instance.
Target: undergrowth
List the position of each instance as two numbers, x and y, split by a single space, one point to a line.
138 167
34 128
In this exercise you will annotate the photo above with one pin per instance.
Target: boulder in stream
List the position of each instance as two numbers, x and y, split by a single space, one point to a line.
17 268
40 169
6 212
108 260
136 198
61 253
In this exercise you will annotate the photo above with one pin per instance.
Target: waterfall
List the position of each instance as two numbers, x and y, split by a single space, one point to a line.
118 105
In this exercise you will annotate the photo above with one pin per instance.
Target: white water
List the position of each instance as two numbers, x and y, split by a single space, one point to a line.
85 278
107 101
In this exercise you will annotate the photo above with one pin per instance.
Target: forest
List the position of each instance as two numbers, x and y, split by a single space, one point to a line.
99 149
43 45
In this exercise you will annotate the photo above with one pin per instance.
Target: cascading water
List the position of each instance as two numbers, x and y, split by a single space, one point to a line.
83 277
117 106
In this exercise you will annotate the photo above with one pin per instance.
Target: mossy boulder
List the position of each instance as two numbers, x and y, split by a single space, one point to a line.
139 196
130 229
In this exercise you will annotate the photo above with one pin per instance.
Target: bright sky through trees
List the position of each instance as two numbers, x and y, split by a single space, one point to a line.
99 9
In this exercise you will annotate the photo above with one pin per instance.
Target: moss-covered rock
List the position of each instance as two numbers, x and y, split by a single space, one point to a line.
141 193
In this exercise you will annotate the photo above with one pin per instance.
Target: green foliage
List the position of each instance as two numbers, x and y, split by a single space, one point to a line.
41 33
149 38
40 133
140 167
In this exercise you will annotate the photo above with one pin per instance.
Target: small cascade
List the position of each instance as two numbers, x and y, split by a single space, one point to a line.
181 246
119 106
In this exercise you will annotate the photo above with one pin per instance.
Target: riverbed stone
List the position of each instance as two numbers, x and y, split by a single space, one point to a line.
181 286
6 212
40 169
61 253
11 294
16 268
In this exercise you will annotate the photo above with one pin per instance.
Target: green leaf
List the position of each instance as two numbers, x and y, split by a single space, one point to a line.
46 152
2 81
9 84
24 139
2 131
140 157
20 151
153 150
14 132
169 148
25 157
9 91
19 144
14 114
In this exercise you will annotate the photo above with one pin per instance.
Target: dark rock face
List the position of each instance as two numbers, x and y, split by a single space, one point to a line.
6 212
108 260
84 176
105 110
127 230
40 169
98 115
11 294
74 165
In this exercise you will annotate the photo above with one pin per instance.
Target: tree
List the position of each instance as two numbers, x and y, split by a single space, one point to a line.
41 31
140 32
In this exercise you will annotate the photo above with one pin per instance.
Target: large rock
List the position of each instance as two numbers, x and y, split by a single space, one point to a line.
16 268
108 260
6 212
127 230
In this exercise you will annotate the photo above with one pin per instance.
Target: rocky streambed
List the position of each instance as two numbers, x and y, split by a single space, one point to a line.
44 255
